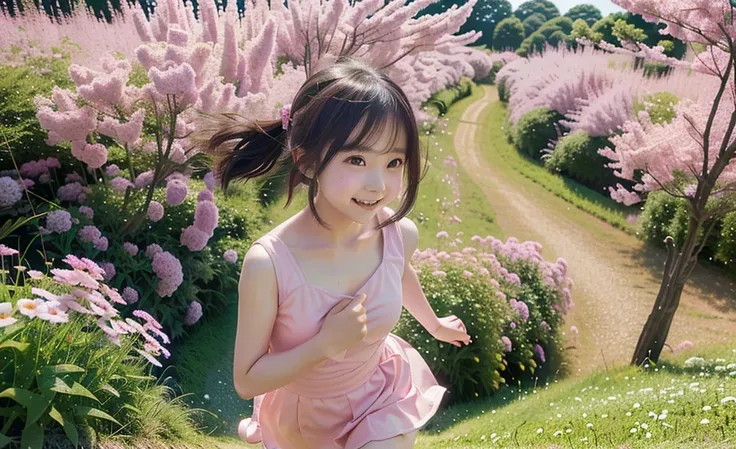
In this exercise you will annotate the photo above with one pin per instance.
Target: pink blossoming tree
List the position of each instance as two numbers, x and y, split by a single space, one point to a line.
692 157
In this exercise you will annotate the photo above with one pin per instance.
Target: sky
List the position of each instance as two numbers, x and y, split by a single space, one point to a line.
606 6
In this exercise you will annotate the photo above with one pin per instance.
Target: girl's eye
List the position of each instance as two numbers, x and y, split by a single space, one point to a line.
355 158
395 160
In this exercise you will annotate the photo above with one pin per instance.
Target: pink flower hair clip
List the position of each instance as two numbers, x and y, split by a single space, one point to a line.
285 115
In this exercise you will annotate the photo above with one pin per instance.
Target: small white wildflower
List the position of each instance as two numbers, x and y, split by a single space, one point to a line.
558 433
540 431
637 405
649 435
589 425
705 421
706 408
633 430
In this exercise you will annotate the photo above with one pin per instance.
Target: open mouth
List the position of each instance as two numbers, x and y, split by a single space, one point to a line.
366 203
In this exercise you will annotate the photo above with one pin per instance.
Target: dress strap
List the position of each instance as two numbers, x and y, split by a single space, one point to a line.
288 276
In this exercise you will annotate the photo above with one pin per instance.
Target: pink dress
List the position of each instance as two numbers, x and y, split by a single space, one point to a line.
376 390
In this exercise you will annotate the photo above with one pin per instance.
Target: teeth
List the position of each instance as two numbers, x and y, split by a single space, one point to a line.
366 203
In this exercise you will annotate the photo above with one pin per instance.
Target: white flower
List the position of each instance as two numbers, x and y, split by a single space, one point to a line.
728 399
706 408
633 430
540 431
589 425
649 435
705 421
558 433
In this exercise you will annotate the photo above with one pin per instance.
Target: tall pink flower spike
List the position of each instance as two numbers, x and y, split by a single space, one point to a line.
285 113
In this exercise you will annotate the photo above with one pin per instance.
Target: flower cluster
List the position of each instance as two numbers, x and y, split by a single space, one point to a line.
89 296
168 269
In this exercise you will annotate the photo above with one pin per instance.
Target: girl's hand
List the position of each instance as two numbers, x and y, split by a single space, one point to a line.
451 330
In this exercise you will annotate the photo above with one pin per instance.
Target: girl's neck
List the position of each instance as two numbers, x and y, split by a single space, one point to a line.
344 233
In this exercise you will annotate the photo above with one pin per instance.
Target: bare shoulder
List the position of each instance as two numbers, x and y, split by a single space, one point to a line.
257 262
409 235
257 311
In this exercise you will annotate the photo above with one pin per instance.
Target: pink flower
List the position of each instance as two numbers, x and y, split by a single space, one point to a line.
194 313
193 238
574 329
120 184
142 314
152 250
6 314
206 195
89 233
72 192
53 313
129 132
168 269
176 192
101 244
112 170
109 270
87 211
684 346
506 343
467 273
441 235
231 256
130 295
71 125
144 179
177 80
205 217
7 251
155 211
130 248
94 156
58 221
35 274
10 192
539 352
74 277
209 181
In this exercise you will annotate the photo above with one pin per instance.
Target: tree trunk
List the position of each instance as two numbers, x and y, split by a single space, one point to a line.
678 267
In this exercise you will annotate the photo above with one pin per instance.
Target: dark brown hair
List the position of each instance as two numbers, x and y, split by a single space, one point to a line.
328 107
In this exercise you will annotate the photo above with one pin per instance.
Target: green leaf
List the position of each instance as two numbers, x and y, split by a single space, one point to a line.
4 440
32 437
35 404
67 423
79 390
85 412
65 368
131 408
110 390
12 344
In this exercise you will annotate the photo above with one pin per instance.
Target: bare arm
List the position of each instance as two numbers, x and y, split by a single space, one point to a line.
415 302
255 369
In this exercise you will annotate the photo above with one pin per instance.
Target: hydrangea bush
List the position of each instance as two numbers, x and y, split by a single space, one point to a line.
512 302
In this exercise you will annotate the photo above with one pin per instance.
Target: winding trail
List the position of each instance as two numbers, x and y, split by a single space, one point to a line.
616 277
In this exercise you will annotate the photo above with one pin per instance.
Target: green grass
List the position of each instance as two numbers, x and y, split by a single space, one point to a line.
502 154
613 403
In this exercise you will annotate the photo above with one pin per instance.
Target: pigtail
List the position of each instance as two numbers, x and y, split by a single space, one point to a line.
243 149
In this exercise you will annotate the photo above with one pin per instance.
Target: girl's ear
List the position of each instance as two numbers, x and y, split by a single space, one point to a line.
296 154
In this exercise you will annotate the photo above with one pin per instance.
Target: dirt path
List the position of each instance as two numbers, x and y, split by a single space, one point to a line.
616 276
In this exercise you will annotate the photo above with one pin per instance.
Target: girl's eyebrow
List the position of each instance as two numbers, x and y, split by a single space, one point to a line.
373 150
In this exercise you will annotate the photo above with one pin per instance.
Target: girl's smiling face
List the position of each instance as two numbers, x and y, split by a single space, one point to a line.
363 178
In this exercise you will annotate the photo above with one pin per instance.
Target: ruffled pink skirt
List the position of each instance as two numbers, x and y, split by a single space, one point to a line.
400 396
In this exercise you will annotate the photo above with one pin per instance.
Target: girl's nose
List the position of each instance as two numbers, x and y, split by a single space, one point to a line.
375 182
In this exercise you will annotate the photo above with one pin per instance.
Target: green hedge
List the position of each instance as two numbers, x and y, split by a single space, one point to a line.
576 156
535 130
439 103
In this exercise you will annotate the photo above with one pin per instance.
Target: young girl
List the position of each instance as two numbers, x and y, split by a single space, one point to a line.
321 292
